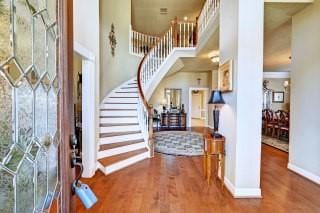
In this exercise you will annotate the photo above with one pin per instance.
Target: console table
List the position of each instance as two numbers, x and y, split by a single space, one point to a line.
213 146
173 121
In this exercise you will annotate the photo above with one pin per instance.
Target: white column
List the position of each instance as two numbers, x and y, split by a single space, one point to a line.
89 121
241 40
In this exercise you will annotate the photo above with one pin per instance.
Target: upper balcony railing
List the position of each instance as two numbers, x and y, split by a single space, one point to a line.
208 11
140 43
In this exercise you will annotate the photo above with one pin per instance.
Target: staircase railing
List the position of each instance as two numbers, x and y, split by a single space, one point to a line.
209 9
141 43
179 35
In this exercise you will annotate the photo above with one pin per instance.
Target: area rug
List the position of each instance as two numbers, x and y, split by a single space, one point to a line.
179 143
274 142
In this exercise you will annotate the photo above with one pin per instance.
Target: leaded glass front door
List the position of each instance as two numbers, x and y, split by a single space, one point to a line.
29 136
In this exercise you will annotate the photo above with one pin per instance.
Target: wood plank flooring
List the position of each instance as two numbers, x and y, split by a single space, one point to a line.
175 184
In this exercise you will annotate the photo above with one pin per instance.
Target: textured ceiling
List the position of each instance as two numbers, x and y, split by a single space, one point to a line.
146 15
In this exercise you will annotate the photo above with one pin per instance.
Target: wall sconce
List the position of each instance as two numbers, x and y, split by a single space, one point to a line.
286 85
215 59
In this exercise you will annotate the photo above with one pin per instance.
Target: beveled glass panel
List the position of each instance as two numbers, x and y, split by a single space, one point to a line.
24 104
34 150
23 34
5 32
52 112
51 56
6 192
45 81
41 175
25 187
39 44
12 71
52 9
14 158
52 167
32 77
6 117
40 112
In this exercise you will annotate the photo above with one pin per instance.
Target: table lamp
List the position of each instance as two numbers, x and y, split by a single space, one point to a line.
217 100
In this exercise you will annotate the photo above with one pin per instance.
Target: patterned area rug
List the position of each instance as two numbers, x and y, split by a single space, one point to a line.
179 143
279 144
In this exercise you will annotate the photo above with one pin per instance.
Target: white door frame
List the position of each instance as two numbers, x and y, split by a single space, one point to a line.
206 90
89 117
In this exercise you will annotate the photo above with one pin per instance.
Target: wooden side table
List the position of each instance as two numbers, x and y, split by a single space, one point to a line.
213 146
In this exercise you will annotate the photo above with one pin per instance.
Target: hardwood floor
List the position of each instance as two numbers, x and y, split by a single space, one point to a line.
176 184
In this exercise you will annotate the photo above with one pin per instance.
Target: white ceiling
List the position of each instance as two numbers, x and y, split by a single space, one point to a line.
277 34
146 15
146 18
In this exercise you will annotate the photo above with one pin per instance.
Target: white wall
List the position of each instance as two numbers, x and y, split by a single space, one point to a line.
123 66
86 34
181 80
241 39
304 147
276 85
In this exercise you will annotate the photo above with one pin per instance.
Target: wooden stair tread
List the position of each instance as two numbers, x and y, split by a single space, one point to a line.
118 109
111 134
120 144
127 92
118 103
123 97
117 124
128 87
117 158
119 116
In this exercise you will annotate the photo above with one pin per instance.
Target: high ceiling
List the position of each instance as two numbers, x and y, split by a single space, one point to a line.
147 18
277 37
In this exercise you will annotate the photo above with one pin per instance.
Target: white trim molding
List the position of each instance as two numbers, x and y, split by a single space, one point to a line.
310 176
206 90
285 74
238 192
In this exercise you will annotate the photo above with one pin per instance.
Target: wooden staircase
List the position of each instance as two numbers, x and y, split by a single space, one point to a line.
121 142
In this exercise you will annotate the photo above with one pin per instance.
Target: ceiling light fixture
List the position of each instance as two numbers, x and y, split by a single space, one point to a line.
215 59
185 18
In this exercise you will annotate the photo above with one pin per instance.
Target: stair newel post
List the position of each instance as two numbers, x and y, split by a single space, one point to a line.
195 32
175 32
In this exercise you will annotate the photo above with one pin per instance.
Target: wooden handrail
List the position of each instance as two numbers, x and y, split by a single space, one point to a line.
141 93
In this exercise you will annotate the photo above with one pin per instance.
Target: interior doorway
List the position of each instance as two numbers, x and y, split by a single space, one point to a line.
84 99
198 107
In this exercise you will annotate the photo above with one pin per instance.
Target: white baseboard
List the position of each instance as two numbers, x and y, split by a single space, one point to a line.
242 192
304 173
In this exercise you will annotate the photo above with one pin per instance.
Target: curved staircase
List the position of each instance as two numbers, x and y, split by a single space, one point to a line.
126 129
121 141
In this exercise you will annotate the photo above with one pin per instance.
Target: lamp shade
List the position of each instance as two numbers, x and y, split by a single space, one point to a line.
216 97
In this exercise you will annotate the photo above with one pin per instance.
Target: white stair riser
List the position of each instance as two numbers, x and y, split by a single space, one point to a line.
122 164
119 106
118 113
119 129
125 95
122 100
121 138
128 89
118 120
120 150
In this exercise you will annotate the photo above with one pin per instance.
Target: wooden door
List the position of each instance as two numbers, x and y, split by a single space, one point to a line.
35 112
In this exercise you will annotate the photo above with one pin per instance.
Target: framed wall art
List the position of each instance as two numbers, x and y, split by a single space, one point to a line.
225 73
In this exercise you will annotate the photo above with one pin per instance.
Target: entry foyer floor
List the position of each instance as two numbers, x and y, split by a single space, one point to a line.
176 184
